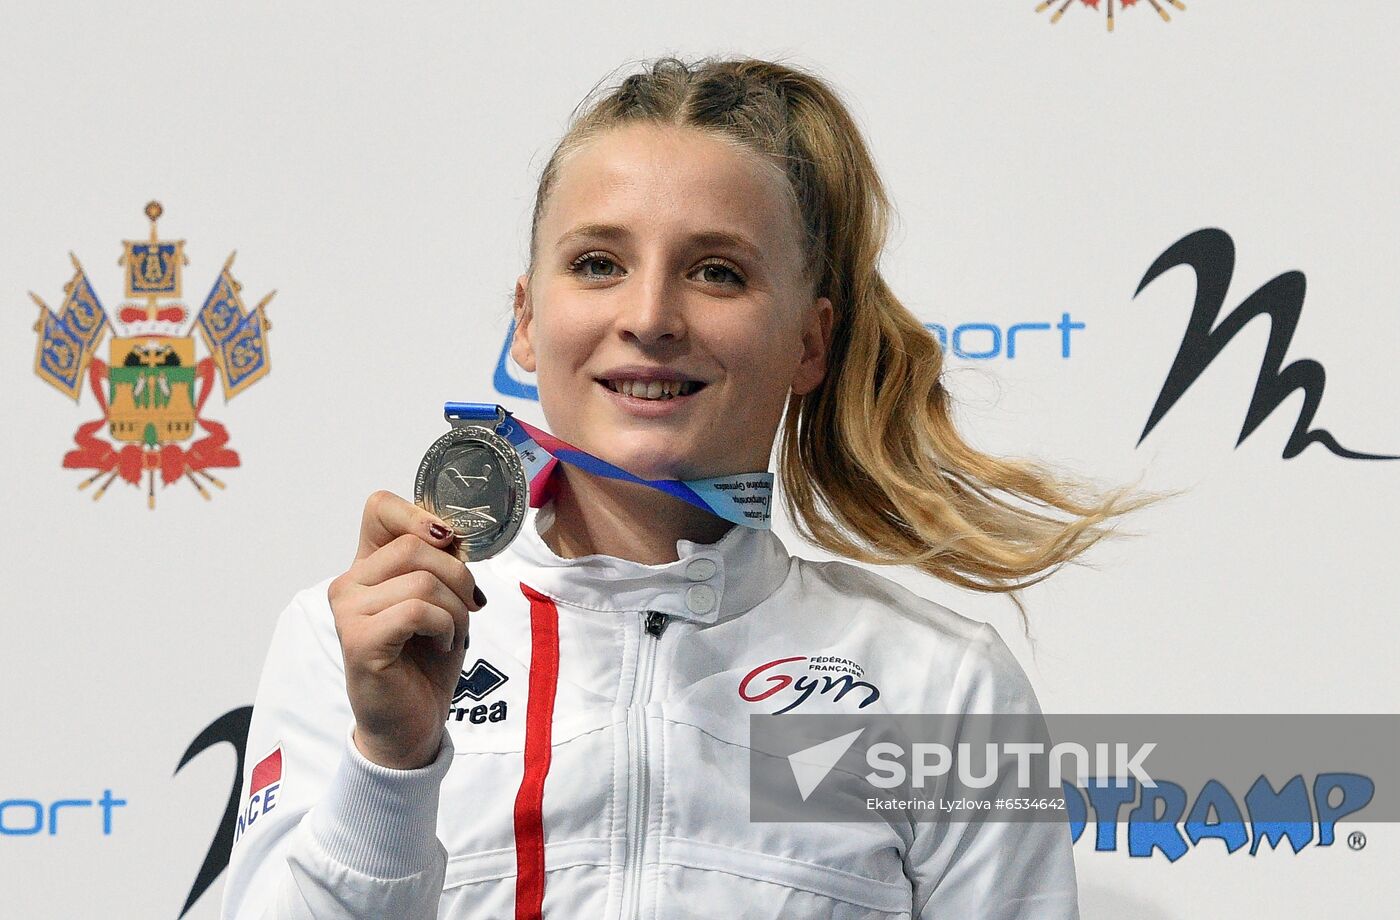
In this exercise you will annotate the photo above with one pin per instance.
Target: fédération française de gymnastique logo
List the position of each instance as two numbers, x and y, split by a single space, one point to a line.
151 390
1061 5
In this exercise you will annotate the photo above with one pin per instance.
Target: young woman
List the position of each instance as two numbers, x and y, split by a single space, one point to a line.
703 270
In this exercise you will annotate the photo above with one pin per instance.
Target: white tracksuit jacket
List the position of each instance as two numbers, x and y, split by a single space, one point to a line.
603 767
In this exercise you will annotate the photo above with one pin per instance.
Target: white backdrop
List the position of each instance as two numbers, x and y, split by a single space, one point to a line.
376 163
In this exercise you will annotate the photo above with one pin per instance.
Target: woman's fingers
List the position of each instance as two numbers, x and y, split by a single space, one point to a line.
408 553
388 630
387 517
373 601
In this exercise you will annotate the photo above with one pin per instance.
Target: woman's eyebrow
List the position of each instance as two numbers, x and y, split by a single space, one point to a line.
725 238
615 232
609 232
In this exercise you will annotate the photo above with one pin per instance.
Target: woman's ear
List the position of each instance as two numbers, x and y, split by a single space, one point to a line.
816 341
520 347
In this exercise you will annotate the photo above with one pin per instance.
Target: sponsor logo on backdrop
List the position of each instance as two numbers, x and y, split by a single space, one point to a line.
31 817
501 379
1159 824
1210 253
231 728
982 341
152 390
1109 7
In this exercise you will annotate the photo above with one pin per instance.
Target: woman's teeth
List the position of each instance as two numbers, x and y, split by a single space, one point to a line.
654 389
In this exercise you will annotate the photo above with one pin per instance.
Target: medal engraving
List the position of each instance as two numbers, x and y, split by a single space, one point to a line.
472 478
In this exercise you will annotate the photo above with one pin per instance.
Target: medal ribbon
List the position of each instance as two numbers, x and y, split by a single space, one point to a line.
743 498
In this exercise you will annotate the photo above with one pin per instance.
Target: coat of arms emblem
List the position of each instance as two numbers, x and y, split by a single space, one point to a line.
152 389
1061 5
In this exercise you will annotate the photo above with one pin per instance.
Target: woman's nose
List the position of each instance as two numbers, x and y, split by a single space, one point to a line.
651 311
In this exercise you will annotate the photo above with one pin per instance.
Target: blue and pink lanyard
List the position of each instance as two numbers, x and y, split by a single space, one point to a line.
743 498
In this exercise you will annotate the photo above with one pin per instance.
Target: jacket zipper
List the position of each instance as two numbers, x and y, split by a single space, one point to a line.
653 623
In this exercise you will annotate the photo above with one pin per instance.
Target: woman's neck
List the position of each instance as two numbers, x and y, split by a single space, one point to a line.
626 520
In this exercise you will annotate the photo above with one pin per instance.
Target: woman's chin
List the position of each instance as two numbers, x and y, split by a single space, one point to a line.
665 464
651 468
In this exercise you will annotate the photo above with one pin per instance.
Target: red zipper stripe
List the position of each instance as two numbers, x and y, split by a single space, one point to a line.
539 718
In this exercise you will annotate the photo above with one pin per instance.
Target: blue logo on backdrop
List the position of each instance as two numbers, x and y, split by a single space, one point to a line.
984 341
504 383
28 817
1160 822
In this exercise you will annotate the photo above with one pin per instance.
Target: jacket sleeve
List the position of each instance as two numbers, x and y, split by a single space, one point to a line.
992 869
322 832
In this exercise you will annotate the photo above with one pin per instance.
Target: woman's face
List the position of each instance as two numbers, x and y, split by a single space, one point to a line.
664 253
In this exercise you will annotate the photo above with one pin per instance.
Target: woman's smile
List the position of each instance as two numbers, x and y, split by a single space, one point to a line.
649 392
649 400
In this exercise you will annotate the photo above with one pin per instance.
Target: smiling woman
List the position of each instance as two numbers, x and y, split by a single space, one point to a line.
667 320
702 274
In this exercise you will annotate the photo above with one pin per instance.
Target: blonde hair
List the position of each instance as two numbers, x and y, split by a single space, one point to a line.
871 465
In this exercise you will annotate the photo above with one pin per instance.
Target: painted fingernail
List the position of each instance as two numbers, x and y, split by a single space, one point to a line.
438 531
478 596
467 639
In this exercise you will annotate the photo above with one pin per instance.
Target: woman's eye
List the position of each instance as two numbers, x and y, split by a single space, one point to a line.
585 264
719 273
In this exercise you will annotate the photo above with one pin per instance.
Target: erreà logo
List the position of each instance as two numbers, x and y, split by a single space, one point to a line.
1211 254
476 683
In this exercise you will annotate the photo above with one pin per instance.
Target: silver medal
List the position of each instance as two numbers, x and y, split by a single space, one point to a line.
472 478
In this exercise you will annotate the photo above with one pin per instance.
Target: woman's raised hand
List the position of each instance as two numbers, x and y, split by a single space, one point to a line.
402 612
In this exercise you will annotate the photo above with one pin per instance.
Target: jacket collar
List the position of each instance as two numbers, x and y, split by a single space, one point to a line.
707 583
